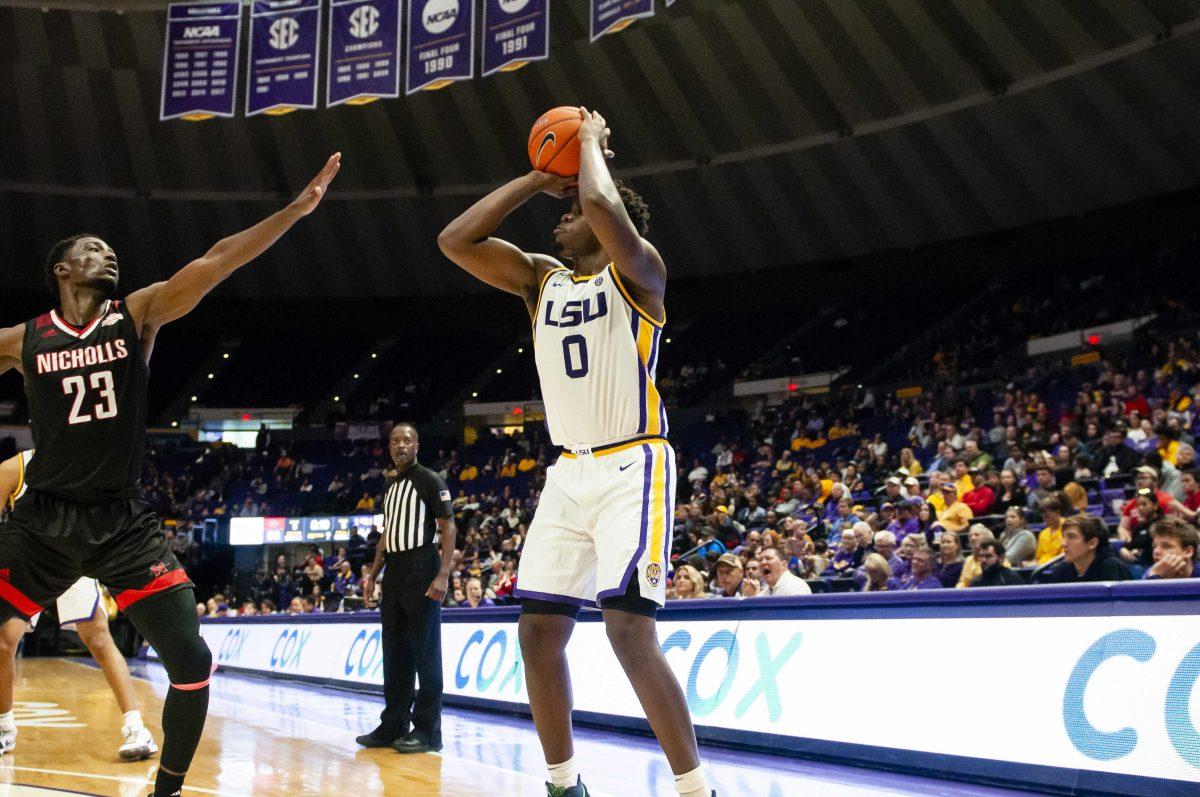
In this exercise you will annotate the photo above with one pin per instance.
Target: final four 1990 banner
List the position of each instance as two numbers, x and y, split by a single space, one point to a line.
441 43
364 51
200 60
281 74
515 32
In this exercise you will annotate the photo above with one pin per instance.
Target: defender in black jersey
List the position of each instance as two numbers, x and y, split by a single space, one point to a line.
85 365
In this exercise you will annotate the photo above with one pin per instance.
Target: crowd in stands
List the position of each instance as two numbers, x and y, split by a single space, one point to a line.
1063 474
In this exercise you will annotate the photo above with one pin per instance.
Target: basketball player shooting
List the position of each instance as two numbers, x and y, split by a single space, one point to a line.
601 532
86 365
79 607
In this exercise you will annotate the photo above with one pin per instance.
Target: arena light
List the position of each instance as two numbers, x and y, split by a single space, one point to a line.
373 355
792 387
1094 339
356 376
245 416
517 411
225 356
337 398
194 398
499 370
174 423
210 376
520 350
474 395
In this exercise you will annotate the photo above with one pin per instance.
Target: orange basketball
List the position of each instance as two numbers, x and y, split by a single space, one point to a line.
554 142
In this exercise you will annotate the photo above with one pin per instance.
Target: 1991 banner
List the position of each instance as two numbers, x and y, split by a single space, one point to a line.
515 32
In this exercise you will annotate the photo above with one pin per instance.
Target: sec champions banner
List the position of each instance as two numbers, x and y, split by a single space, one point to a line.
441 43
281 74
364 51
200 60
610 16
515 32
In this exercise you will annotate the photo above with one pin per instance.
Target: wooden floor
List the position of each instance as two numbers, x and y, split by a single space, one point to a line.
271 737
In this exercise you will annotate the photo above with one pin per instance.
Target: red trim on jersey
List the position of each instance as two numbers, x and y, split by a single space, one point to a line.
42 321
79 332
18 599
166 581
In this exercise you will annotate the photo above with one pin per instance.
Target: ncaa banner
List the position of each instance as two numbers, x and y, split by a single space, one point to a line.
281 74
200 60
364 51
515 32
610 16
441 43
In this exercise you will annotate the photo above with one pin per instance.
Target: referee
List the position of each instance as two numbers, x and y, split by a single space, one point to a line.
416 513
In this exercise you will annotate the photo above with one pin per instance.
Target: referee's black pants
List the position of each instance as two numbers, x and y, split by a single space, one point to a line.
412 646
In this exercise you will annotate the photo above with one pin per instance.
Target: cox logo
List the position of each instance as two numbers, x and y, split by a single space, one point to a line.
364 658
725 643
1109 745
231 646
494 662
288 649
439 15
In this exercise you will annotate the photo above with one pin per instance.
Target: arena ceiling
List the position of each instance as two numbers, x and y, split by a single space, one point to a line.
763 133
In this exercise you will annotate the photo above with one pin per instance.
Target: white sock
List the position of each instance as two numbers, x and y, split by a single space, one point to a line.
133 719
693 784
6 721
565 774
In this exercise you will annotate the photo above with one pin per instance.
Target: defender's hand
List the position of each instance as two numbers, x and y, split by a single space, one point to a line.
311 196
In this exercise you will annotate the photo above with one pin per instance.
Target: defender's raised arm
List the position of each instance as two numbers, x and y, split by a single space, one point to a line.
167 301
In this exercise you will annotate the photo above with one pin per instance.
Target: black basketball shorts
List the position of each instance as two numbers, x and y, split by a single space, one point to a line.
50 543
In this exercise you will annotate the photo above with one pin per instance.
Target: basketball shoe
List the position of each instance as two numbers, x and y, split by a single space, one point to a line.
8 740
138 744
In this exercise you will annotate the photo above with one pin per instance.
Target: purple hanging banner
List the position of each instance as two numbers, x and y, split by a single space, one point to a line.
281 73
200 60
515 32
610 16
364 51
441 43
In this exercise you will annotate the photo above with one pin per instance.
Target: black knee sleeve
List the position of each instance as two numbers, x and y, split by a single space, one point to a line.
169 624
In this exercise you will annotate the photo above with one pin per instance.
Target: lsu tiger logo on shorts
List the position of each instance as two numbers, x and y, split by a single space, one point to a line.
653 573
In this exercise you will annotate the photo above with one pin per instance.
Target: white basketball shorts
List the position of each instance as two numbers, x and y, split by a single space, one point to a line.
77 604
605 517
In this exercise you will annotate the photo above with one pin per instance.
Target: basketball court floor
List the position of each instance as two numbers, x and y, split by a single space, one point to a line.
268 737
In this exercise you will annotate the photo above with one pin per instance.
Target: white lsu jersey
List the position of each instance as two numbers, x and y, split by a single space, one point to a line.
596 353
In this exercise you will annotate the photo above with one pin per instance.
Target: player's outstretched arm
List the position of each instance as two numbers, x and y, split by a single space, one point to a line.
11 341
467 240
164 302
638 261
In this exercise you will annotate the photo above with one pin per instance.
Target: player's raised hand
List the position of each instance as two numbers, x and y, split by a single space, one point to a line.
311 196
594 129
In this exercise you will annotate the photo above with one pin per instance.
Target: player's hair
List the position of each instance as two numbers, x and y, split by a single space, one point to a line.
57 253
636 207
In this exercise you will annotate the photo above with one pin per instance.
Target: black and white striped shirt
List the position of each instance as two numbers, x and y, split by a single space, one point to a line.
412 506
